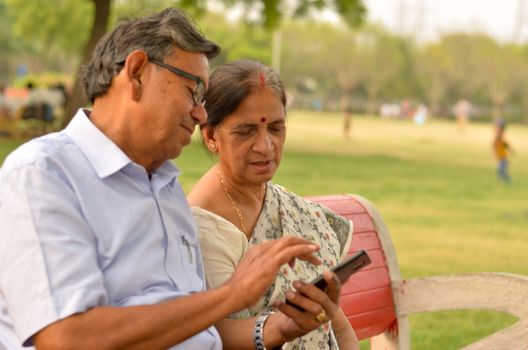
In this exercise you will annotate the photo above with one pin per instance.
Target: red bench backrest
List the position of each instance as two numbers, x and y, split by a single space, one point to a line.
366 298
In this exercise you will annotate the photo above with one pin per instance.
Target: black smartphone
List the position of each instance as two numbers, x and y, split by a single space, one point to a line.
343 270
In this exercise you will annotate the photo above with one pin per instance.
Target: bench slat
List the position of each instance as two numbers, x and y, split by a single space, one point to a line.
365 240
366 280
362 222
372 322
376 257
363 302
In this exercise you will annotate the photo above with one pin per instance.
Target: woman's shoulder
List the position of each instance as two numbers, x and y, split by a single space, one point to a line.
282 191
213 226
219 239
204 192
292 197
204 216
341 226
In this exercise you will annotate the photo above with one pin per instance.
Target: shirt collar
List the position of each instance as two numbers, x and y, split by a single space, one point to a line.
104 155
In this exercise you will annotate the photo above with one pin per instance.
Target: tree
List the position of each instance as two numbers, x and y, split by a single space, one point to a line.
465 50
101 15
325 54
434 68
100 22
501 74
352 11
386 61
49 24
238 40
483 69
523 89
48 28
8 44
270 13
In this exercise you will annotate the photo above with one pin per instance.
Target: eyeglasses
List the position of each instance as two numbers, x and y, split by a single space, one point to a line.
198 94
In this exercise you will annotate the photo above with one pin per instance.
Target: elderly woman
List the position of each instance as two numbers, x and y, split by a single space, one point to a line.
236 205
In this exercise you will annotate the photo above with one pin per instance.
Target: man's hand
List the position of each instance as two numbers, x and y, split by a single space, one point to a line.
259 267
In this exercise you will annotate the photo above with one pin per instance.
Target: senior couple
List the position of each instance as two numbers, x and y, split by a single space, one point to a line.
100 248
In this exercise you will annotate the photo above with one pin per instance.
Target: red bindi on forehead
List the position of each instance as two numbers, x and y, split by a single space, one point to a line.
263 119
262 79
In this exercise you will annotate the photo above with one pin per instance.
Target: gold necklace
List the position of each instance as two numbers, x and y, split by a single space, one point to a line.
237 211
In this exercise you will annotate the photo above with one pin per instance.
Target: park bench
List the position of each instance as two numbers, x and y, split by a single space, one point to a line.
377 301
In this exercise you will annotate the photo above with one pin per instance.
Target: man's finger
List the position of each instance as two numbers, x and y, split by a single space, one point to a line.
299 251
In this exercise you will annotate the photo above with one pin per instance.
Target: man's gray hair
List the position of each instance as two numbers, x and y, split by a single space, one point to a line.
157 35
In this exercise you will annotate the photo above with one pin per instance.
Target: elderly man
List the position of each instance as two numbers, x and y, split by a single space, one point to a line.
98 248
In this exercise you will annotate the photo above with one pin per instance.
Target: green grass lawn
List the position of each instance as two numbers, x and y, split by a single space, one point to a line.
435 188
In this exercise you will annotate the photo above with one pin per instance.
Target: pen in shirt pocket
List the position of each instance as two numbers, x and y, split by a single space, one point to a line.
189 249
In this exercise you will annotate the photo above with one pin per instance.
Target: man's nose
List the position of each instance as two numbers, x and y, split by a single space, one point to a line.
199 114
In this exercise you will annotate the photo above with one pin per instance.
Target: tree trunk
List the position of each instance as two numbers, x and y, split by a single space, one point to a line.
497 111
525 109
435 96
372 99
276 50
499 97
372 103
435 109
101 16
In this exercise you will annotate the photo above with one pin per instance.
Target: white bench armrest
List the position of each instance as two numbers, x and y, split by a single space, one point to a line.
489 291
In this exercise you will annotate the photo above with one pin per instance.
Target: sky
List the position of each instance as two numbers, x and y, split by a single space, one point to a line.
429 19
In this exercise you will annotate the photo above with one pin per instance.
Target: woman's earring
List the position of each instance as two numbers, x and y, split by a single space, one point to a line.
213 147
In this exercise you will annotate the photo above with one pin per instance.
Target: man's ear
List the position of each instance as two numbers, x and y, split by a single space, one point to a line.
134 67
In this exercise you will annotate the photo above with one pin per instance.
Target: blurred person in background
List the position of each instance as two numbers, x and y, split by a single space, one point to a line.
462 110
502 151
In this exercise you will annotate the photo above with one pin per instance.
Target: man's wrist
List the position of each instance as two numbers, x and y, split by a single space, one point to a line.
232 300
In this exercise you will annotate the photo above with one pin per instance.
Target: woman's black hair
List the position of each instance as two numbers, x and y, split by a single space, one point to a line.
231 83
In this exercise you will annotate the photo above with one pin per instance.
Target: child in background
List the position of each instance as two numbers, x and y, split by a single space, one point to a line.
502 152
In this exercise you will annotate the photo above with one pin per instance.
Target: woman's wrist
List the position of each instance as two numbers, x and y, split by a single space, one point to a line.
275 335
258 331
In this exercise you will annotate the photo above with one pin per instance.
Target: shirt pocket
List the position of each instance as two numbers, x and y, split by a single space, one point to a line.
182 262
188 248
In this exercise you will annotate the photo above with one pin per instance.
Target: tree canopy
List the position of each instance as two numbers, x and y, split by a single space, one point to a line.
332 63
42 20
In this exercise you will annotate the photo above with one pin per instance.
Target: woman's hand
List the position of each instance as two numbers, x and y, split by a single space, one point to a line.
257 271
318 307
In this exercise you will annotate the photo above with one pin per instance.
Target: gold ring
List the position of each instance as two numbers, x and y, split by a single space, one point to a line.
321 317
